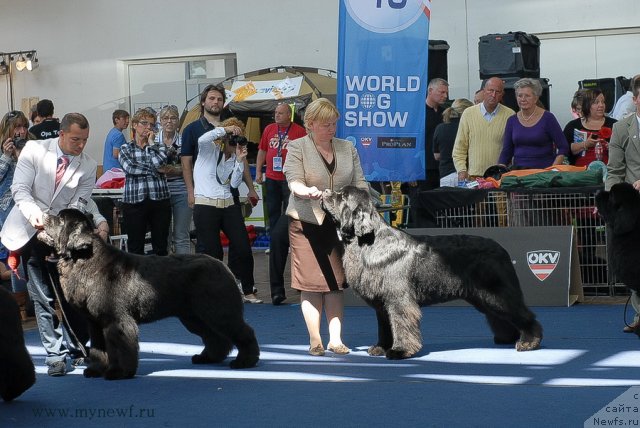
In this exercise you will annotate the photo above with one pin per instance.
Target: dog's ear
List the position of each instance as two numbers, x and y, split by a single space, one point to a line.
626 214
363 219
77 240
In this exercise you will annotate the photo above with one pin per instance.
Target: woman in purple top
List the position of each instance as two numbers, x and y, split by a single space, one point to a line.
533 137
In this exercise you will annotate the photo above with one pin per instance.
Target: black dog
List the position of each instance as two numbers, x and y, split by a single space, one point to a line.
17 373
117 290
396 274
620 209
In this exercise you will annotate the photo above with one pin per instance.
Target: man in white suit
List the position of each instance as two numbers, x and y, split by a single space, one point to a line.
36 191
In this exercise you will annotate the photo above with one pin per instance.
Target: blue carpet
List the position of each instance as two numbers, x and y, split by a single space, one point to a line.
460 378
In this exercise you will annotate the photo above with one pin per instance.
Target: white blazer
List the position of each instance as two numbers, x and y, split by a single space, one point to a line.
33 189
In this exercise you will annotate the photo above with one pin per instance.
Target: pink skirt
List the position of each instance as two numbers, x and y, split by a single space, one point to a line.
316 257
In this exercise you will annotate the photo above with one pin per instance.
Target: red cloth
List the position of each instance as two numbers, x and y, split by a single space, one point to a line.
271 140
115 183
13 261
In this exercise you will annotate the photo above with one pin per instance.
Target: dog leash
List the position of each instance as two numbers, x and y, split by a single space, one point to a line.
65 321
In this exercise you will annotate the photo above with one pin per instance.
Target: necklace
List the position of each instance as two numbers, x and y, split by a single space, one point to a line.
527 119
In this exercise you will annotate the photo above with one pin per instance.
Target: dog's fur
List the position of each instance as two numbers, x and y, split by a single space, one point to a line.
620 209
17 373
117 290
396 274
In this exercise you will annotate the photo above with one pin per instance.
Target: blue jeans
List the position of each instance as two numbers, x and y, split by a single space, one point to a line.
181 223
55 339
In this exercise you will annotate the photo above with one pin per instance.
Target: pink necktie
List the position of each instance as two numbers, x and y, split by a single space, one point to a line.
63 162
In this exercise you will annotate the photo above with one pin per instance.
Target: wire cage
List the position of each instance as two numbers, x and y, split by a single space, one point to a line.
529 209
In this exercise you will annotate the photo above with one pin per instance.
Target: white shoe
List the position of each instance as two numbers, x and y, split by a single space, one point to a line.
251 298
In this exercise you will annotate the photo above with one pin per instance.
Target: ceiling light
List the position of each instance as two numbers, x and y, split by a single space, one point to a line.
32 61
21 64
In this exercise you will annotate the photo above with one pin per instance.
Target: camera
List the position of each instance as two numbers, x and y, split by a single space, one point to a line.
237 140
19 143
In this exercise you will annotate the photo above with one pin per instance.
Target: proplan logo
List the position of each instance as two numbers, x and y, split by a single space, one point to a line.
543 262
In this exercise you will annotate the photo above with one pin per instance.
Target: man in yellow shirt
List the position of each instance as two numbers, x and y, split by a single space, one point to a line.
479 139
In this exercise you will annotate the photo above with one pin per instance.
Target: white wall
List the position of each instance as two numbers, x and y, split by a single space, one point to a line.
82 44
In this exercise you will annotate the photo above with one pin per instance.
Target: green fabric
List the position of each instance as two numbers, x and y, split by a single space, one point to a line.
554 179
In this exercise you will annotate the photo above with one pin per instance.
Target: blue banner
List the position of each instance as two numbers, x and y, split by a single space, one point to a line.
382 85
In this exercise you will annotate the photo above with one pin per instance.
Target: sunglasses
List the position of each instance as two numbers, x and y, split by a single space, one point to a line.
13 114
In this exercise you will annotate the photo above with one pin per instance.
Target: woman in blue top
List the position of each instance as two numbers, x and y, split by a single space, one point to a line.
533 137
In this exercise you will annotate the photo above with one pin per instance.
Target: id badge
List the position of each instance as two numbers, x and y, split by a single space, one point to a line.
277 163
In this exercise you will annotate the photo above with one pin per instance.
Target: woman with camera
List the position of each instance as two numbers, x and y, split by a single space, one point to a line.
13 137
219 169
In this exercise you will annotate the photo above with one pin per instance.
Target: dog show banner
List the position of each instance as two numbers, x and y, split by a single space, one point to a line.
382 85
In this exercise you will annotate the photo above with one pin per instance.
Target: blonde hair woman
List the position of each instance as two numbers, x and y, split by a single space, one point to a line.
314 163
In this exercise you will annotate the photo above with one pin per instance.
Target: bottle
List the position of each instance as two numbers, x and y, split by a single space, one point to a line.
396 194
598 150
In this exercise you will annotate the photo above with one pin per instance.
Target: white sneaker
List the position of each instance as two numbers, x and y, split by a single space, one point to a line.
251 298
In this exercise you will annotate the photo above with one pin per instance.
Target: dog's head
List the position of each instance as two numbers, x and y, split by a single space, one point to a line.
620 208
351 209
69 232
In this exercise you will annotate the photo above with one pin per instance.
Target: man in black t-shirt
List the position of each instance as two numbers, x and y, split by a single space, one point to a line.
50 126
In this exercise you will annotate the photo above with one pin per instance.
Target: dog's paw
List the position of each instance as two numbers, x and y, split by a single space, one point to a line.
116 373
528 345
398 354
92 372
205 358
243 363
376 351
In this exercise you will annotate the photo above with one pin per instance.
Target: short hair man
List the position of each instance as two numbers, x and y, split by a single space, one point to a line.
624 166
479 139
437 94
51 175
273 150
212 113
115 139
625 106
49 126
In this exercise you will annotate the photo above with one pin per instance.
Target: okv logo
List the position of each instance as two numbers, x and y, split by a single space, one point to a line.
385 16
543 262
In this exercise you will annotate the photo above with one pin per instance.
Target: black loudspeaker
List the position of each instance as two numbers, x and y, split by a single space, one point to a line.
612 88
515 54
437 67
509 98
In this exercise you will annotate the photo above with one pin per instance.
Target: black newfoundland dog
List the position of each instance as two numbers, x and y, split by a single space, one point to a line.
396 274
117 290
17 373
620 209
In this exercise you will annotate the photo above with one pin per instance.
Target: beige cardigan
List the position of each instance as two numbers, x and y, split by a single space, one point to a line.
304 164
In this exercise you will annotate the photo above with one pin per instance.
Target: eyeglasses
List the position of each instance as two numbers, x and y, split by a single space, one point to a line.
146 123
169 119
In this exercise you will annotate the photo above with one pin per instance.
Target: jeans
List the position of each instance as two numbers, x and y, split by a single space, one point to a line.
56 340
181 223
276 199
209 222
156 215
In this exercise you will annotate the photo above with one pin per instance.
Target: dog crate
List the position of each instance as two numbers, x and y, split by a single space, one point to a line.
527 208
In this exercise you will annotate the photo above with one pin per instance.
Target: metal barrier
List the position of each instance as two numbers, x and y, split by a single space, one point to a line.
514 209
